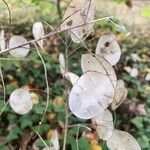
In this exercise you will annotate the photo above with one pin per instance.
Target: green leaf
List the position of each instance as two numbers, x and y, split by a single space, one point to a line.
25 121
2 104
104 146
59 108
120 1
38 109
12 118
71 141
3 147
40 144
146 12
84 144
144 141
14 133
138 122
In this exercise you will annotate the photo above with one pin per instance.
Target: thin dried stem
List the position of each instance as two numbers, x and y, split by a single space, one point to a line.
80 125
12 59
1 112
3 83
42 140
78 129
66 106
118 26
54 32
51 28
47 85
9 12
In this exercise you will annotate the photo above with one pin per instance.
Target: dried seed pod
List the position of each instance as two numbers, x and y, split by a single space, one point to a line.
92 62
20 52
55 140
62 63
71 77
120 96
20 101
121 140
79 13
2 41
104 125
108 48
38 32
89 97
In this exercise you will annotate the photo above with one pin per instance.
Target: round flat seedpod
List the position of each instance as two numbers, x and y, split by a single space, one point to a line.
71 77
86 15
2 41
108 48
20 101
91 95
79 13
121 140
120 96
70 16
104 125
20 52
92 62
62 63
38 32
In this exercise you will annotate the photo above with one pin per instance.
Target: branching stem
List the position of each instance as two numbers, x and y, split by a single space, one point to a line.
54 32
47 85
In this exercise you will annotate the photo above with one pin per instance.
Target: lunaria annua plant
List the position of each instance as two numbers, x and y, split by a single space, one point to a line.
94 91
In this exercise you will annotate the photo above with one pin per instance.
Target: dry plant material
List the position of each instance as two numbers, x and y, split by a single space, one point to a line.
121 140
120 96
54 142
62 63
89 97
38 32
78 13
20 101
20 52
2 41
92 62
91 93
71 77
108 48
104 125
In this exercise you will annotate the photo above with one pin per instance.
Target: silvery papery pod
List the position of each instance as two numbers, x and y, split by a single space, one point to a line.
120 95
54 142
38 32
62 63
121 140
22 51
79 13
2 40
20 101
104 125
89 97
109 49
92 62
71 77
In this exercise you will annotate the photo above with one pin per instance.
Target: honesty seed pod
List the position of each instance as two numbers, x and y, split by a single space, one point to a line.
108 48
89 97
21 51
20 101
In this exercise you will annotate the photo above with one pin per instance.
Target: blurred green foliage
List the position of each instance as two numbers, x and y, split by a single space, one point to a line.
146 12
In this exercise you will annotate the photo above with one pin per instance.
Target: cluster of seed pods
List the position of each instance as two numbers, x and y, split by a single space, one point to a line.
97 89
